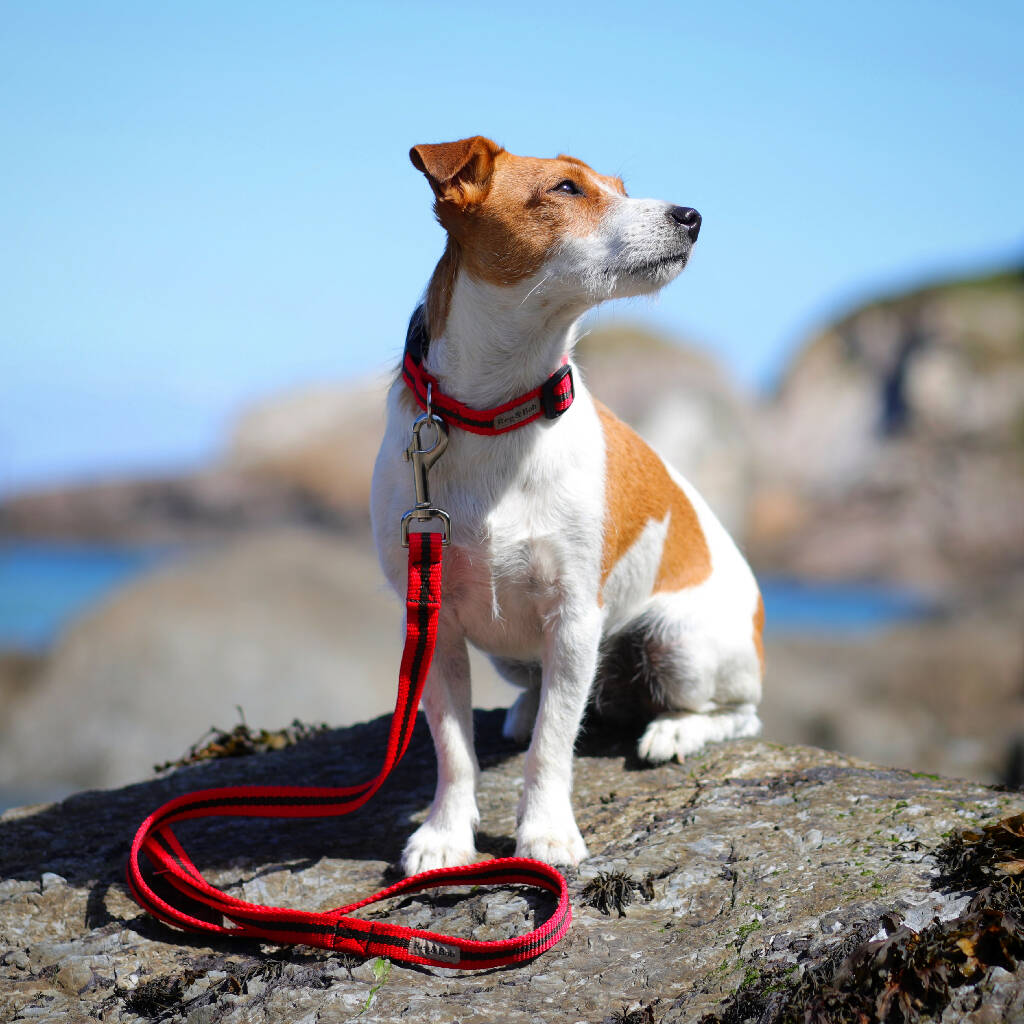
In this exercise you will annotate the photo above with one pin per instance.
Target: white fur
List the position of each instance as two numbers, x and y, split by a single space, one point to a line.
522 578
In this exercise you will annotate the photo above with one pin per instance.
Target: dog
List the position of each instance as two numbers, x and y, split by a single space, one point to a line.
583 565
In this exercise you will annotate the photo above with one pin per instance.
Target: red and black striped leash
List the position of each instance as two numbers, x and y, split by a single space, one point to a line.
337 929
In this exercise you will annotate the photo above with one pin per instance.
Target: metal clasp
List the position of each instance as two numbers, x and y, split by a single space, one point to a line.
422 458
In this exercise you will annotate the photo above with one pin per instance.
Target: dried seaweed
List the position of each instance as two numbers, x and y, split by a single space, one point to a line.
908 976
969 860
158 996
614 890
641 1015
168 995
242 741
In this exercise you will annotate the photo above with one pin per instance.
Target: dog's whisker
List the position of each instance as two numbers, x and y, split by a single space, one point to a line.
535 287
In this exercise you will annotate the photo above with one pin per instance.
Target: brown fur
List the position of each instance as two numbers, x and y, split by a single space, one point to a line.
638 489
759 631
501 216
442 284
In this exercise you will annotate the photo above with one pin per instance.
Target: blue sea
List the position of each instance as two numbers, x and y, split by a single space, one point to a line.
43 586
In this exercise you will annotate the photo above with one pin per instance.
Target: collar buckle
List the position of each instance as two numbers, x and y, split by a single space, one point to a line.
557 392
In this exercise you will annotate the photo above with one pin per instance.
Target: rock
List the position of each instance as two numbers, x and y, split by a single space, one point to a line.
893 446
998 999
941 695
17 958
211 505
280 623
319 440
753 856
75 976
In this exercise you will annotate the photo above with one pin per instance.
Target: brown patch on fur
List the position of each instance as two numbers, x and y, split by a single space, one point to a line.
759 631
638 488
500 209
439 291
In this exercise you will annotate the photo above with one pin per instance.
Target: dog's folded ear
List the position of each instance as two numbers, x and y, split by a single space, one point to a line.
458 172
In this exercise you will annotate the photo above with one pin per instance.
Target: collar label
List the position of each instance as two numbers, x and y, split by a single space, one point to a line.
520 412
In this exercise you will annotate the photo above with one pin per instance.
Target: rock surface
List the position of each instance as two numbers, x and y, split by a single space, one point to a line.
754 856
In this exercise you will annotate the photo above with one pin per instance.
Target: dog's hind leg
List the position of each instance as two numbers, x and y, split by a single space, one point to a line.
677 734
700 684
446 838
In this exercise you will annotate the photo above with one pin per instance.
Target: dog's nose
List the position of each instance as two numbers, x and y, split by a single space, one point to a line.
689 218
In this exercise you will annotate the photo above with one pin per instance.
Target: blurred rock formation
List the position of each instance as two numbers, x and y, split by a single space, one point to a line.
894 447
306 457
280 619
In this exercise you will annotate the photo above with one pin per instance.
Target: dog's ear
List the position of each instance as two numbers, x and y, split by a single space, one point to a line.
458 172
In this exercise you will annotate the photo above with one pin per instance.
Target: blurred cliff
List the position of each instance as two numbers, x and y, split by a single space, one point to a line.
892 450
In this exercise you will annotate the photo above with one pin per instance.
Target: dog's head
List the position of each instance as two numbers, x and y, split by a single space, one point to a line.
520 219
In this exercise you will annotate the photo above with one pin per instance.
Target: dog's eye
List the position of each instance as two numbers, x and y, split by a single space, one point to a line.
570 188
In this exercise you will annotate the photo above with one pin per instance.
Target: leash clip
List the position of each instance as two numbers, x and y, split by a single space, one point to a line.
422 458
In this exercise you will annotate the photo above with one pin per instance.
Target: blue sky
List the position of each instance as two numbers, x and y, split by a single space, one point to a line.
203 204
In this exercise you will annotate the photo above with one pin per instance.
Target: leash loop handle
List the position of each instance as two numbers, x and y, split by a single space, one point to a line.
188 901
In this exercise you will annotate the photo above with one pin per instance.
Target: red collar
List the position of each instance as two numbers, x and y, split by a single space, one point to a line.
549 400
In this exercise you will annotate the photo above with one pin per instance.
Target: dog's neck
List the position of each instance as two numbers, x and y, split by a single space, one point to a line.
500 341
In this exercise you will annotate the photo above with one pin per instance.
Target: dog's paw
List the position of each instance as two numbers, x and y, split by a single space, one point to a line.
671 737
558 846
679 734
430 848
520 717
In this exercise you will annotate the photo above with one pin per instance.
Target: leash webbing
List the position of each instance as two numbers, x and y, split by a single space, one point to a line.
336 929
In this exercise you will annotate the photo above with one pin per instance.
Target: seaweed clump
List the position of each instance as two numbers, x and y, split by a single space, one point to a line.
992 859
614 890
643 1014
242 741
158 996
908 976
167 995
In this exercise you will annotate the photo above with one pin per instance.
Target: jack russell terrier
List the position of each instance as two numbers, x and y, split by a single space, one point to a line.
580 562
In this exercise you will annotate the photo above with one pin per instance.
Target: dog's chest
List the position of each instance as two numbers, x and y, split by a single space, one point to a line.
519 552
527 515
502 583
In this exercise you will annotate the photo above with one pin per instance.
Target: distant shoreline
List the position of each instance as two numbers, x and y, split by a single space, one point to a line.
45 585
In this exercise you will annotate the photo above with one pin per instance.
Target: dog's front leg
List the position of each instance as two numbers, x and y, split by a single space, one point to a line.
446 839
547 828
